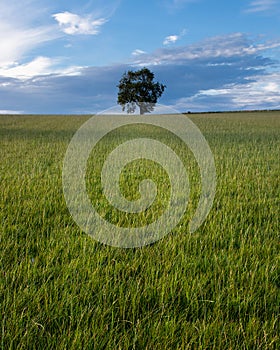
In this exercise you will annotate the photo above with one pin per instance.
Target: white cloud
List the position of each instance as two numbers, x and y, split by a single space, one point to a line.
7 111
171 39
265 90
74 24
261 5
138 52
262 93
37 67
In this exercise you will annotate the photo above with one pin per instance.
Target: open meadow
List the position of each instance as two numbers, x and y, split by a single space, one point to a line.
216 288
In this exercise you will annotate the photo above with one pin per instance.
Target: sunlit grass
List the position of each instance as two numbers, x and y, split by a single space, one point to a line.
217 288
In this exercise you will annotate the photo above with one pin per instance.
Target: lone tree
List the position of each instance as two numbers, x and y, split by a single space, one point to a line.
139 89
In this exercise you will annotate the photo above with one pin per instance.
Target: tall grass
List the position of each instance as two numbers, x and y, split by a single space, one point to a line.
217 288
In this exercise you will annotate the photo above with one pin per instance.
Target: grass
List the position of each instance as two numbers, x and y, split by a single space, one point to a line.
217 288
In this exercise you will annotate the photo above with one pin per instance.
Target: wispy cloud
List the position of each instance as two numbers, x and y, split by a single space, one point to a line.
138 52
179 3
39 66
72 23
19 32
176 5
226 46
262 6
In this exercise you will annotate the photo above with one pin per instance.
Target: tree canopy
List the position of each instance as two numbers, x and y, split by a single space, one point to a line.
137 88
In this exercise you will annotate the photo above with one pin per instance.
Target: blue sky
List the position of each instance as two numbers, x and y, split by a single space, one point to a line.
68 56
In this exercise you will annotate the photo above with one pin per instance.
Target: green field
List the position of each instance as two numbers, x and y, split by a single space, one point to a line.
217 288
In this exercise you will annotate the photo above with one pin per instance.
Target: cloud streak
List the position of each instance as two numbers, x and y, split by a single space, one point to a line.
176 4
138 52
261 6
39 66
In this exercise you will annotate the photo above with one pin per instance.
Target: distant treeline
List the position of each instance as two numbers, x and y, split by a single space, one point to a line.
237 111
